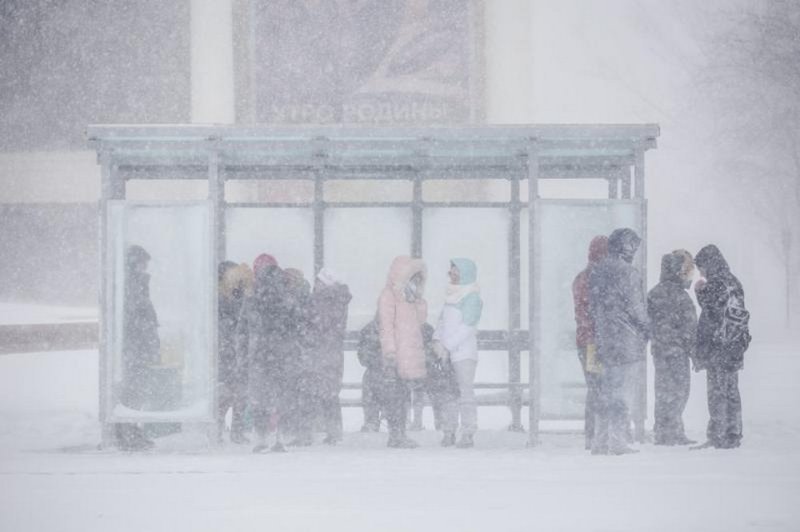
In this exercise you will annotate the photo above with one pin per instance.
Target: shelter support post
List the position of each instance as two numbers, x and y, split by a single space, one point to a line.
416 218
514 269
534 389
639 413
111 188
319 222
216 196
613 187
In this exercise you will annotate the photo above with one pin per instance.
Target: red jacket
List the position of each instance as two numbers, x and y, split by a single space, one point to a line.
584 330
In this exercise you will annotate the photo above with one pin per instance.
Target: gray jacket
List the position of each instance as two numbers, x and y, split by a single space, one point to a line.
673 318
616 303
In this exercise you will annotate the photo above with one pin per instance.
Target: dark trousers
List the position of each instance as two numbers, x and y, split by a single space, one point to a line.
611 429
724 408
672 381
592 398
371 384
394 400
325 408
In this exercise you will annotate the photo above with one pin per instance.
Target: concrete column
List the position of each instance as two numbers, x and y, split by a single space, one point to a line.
213 99
509 61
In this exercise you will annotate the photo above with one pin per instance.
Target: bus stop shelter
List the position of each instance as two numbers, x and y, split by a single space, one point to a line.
353 198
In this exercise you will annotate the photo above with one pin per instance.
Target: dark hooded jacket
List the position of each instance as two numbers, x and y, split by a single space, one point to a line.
617 304
231 299
673 319
713 297
268 332
329 323
141 343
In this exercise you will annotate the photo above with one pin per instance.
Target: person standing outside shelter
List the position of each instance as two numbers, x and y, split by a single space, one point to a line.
617 306
456 338
673 321
585 336
402 310
722 338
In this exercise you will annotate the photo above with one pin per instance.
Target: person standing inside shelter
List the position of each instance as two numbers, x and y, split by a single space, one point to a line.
267 335
235 284
617 307
402 310
329 303
673 322
585 336
723 336
141 347
371 358
456 339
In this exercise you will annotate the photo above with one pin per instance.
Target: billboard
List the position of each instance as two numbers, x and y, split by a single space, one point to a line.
377 62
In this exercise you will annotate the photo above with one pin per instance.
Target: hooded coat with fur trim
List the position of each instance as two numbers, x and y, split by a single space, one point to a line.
400 318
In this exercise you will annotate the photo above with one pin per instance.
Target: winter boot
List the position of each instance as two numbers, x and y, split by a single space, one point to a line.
466 442
449 439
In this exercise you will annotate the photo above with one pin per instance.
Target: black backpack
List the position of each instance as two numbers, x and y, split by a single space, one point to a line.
733 333
369 346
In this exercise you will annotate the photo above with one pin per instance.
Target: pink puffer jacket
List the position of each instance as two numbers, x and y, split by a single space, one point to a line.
401 321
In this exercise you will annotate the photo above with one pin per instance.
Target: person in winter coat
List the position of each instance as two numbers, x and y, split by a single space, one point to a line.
235 284
673 322
322 381
371 358
402 310
617 307
141 347
457 340
722 338
584 335
441 386
267 336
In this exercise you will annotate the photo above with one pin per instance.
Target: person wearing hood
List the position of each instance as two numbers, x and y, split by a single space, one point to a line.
235 284
722 338
402 310
673 321
617 307
140 349
584 335
322 380
456 339
267 337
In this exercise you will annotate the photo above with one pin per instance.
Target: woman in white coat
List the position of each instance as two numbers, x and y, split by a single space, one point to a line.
456 340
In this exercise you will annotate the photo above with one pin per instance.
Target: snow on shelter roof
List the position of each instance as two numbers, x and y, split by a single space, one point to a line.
275 152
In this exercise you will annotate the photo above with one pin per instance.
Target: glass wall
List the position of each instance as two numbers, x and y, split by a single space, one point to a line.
566 227
360 244
160 290
285 233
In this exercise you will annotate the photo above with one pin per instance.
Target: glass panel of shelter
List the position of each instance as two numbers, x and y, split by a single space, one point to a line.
566 226
161 362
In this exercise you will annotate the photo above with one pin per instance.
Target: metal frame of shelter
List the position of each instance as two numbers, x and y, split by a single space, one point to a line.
321 153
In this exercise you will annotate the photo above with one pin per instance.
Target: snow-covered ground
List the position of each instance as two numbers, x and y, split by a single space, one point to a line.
53 478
